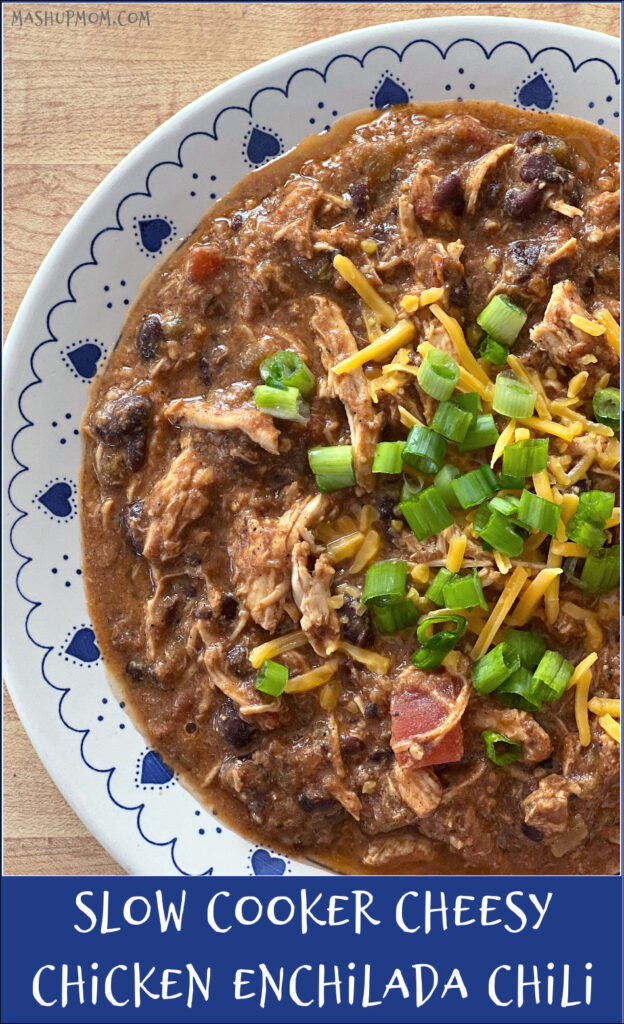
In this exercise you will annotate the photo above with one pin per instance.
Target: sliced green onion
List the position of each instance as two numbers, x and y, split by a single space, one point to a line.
424 450
506 506
391 616
287 368
464 592
582 529
530 647
495 529
470 401
539 513
601 571
411 487
552 675
482 433
520 691
493 351
494 667
384 579
271 678
388 457
426 514
597 504
442 482
525 457
435 590
438 374
502 320
333 467
499 749
435 647
476 486
451 421
511 483
513 397
282 403
606 405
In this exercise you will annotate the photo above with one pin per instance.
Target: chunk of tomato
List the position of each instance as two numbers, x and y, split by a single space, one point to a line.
203 263
414 714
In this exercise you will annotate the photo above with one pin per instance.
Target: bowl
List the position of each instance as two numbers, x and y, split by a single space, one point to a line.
73 314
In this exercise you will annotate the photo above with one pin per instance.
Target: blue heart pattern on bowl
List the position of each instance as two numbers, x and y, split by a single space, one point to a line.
151 233
56 500
83 360
265 863
262 145
389 94
83 646
154 771
536 92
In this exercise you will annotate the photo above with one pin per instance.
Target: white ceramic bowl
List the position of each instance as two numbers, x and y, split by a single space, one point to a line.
72 315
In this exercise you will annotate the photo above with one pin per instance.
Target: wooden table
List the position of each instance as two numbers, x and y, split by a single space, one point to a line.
77 99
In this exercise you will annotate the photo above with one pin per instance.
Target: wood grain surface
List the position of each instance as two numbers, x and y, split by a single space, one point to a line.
78 98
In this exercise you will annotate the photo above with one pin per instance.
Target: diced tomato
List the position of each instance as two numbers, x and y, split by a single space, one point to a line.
204 262
414 714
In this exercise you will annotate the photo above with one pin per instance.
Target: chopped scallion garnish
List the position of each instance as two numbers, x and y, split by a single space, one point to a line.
426 514
606 405
493 351
283 403
552 675
476 486
424 450
435 646
500 749
525 458
271 678
538 513
388 457
481 433
530 647
601 570
464 592
494 667
502 320
451 421
442 482
332 466
438 374
435 591
289 369
513 397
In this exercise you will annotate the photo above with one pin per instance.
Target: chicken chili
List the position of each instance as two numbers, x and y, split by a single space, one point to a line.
351 536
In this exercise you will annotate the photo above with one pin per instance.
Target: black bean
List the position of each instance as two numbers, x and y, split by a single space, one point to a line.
190 728
351 746
203 611
132 523
448 194
532 833
538 166
150 336
548 763
371 710
386 509
117 418
524 254
229 607
381 754
238 661
530 139
460 294
232 728
237 222
205 371
575 195
522 203
136 671
137 450
491 193
358 629
359 198
314 803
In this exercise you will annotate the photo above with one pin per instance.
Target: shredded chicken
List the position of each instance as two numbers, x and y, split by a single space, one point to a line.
336 343
224 415
419 788
311 591
480 170
178 499
260 550
546 808
388 849
241 691
565 343
515 725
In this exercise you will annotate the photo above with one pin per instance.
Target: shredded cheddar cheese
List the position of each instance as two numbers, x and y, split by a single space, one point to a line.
541 483
503 440
577 384
455 333
348 270
379 350
502 607
604 706
587 326
580 709
376 662
455 555
410 303
612 329
580 670
527 604
610 726
328 697
273 648
431 295
344 547
550 427
367 551
369 246
312 679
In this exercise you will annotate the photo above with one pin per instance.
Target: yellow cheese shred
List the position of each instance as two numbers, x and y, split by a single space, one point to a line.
551 594
580 470
534 380
368 550
344 547
614 518
580 709
605 706
577 384
408 419
348 270
455 555
541 484
593 629
369 246
587 326
455 333
328 697
527 604
504 439
502 607
378 351
556 429
431 295
410 303
610 726
580 670
273 648
467 382
568 549
310 680
612 328
376 662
